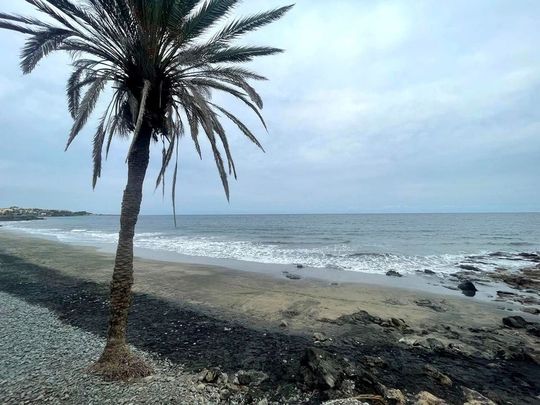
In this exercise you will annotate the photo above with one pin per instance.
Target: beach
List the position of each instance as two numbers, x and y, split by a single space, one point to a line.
205 317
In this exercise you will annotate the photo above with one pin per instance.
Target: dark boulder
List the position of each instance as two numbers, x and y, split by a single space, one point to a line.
322 369
393 273
468 288
514 322
469 267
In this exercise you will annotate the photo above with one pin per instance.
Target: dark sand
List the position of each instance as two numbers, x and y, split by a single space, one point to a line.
204 316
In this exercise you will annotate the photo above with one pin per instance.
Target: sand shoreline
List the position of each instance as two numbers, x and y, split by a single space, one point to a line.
439 284
240 320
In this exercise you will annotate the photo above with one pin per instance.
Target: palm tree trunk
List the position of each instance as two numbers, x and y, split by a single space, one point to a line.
116 360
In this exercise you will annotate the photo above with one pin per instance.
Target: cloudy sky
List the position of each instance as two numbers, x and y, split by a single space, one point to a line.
377 106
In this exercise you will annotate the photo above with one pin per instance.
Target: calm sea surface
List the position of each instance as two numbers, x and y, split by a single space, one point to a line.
364 243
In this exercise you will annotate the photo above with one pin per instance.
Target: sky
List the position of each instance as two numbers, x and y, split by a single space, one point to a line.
376 106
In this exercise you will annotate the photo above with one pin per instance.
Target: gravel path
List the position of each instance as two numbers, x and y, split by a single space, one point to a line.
43 360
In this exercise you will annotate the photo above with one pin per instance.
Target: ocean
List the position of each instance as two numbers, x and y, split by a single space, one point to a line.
371 243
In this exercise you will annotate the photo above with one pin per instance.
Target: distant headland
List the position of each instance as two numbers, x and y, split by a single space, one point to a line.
30 214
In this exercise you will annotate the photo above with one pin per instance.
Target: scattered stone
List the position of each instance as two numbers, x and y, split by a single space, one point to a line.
263 401
432 344
320 337
426 398
374 362
475 398
284 324
443 379
429 304
409 340
210 376
393 273
514 322
468 288
251 377
201 387
347 401
394 397
293 276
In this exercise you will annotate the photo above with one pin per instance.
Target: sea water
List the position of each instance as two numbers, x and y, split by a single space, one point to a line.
368 243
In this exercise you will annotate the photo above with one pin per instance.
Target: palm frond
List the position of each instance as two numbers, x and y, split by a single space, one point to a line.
163 63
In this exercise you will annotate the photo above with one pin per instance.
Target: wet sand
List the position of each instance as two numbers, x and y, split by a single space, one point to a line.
238 319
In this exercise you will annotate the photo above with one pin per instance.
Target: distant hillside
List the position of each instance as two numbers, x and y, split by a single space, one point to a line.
28 214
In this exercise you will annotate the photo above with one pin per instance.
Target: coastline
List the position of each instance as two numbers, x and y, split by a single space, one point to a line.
242 320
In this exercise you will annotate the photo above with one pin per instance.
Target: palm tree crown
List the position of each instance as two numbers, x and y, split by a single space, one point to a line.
160 62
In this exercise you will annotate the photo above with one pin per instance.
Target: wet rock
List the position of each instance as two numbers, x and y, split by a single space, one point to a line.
299 266
251 377
505 294
530 256
320 337
293 276
533 329
468 288
430 272
430 304
427 398
528 279
346 401
514 322
475 398
393 273
284 324
531 310
441 378
469 267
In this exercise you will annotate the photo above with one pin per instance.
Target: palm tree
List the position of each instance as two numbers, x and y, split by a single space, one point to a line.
161 60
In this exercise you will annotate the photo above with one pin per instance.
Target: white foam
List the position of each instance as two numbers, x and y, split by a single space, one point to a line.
339 256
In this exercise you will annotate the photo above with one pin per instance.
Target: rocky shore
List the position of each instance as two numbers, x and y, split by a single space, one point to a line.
32 214
265 341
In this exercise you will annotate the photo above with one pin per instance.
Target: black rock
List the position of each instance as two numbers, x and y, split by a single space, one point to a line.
534 329
393 273
515 322
299 266
505 294
430 272
469 267
322 369
468 288
293 276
